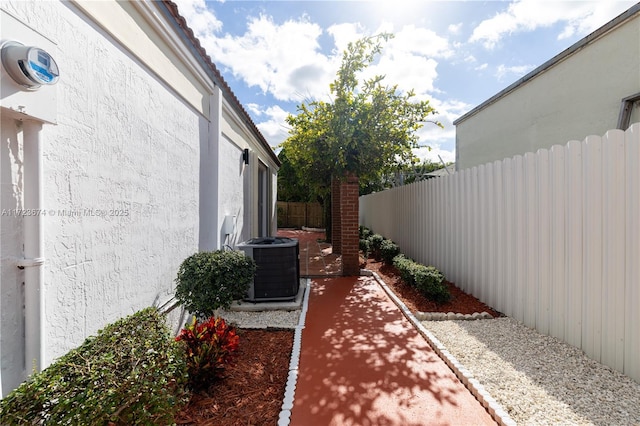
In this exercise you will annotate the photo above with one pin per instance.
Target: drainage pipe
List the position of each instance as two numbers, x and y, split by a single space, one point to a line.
33 245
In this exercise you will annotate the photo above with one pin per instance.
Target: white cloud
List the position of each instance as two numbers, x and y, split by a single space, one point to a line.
274 127
447 112
455 28
481 67
580 18
284 60
200 19
281 59
409 59
343 34
406 70
435 153
420 41
518 71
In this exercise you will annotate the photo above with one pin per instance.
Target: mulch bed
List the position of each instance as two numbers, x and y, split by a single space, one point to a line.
251 392
460 303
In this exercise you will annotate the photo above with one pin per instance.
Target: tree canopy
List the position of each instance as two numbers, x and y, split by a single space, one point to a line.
290 186
368 129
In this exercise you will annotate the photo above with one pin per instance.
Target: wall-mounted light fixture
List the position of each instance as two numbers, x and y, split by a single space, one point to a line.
245 156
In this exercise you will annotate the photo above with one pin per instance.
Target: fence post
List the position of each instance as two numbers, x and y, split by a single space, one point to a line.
632 249
573 251
559 293
592 247
613 204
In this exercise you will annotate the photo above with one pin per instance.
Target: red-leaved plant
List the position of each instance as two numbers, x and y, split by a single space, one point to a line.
210 347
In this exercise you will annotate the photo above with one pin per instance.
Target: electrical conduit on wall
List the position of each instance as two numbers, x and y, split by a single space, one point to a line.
33 260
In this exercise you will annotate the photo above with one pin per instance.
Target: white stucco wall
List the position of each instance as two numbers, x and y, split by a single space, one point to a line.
120 186
239 182
576 97
12 278
139 173
234 177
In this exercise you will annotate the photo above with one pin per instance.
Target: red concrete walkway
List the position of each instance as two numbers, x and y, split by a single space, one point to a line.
361 360
316 256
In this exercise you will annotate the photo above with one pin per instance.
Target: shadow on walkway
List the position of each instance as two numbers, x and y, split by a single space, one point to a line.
362 362
316 256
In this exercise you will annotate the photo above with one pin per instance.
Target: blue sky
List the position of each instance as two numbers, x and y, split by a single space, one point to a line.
457 54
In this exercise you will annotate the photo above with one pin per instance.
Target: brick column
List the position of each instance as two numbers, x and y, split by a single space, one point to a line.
336 222
349 204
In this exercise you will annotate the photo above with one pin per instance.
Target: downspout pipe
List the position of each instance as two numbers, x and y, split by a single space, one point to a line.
33 262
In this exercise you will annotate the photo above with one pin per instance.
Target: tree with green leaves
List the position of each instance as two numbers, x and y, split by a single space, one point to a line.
368 130
290 186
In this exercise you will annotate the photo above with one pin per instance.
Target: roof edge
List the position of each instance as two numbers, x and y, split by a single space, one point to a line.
617 21
172 9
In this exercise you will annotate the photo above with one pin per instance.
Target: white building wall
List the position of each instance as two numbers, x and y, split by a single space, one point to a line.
576 96
12 278
239 182
140 171
234 177
120 188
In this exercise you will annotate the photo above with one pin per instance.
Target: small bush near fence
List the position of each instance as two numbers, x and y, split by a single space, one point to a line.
389 250
210 280
365 247
427 279
364 232
132 372
375 241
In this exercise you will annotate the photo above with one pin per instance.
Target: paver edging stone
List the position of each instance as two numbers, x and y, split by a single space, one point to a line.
466 377
290 389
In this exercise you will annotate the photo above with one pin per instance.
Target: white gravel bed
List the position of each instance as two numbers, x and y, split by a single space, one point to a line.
261 319
538 379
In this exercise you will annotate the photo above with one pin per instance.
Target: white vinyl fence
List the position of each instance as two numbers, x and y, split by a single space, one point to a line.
551 239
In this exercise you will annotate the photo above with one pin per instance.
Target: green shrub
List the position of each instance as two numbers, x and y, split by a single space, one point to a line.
388 250
132 372
438 293
405 267
210 280
375 240
364 232
209 347
365 248
427 279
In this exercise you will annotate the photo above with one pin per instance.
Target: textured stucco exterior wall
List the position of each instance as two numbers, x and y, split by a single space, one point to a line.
124 21
576 97
139 173
120 185
239 182
234 176
12 278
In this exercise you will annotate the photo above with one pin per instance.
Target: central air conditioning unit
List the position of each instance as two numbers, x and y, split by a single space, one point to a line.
277 275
